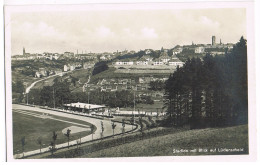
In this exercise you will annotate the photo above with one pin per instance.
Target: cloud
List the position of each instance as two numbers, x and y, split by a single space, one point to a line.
103 31
206 21
99 31
149 33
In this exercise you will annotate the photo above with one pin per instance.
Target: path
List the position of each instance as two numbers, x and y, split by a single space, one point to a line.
32 85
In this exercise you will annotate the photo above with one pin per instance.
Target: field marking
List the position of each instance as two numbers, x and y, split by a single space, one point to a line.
75 129
48 117
94 121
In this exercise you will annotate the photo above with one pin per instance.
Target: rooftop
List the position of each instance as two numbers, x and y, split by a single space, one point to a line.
84 105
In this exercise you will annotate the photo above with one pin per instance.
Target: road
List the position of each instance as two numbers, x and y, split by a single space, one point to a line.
32 85
97 122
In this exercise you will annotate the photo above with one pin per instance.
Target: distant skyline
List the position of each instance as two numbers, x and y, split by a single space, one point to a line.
112 30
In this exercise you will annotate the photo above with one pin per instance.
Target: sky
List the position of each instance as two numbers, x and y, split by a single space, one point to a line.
112 30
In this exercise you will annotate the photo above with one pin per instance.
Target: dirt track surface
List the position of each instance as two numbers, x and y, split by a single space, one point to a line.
97 122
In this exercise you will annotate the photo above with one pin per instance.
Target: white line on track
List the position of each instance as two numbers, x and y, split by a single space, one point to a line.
49 117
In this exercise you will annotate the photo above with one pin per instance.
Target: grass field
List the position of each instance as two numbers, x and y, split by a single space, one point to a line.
217 138
82 75
146 107
47 82
23 78
138 71
114 73
33 127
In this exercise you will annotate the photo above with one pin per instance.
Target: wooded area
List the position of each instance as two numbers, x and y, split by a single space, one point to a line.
209 92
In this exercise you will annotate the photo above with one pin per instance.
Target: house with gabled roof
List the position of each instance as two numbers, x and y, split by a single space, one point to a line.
147 58
175 62
142 61
164 57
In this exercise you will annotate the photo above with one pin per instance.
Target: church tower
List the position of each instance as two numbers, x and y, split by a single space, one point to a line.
213 40
23 51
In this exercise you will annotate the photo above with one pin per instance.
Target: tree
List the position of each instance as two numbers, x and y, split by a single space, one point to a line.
67 134
46 95
18 87
123 126
52 148
102 130
99 67
54 137
132 120
209 93
113 127
141 126
18 91
39 141
62 93
156 85
34 97
92 128
23 144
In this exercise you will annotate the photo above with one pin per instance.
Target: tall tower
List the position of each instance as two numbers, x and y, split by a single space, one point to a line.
23 51
213 40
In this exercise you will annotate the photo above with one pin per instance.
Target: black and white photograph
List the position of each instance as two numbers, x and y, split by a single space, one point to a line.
135 80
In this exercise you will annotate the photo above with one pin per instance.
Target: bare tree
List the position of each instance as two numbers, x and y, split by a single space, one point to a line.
132 121
39 141
92 127
67 134
113 127
141 125
54 137
123 126
52 148
23 144
102 130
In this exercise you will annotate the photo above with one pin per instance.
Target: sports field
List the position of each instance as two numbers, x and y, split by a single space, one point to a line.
33 125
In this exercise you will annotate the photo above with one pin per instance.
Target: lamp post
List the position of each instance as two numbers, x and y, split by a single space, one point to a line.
26 93
134 103
53 99
88 97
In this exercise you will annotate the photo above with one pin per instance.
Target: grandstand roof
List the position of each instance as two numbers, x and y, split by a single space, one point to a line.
84 105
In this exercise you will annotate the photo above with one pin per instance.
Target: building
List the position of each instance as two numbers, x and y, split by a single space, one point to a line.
68 54
88 65
65 68
84 108
176 50
199 49
103 58
142 61
213 40
124 62
147 58
72 67
157 62
38 75
176 62
148 51
164 57
56 56
43 71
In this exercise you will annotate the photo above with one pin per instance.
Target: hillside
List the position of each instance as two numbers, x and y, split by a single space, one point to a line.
219 138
